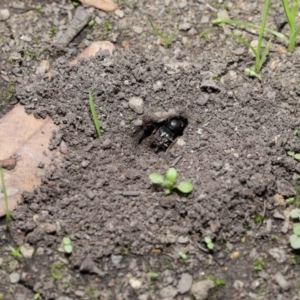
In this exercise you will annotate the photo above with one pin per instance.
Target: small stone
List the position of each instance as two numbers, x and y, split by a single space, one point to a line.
112 169
253 254
168 292
255 284
106 144
116 259
238 285
182 239
278 215
185 283
205 19
182 4
85 163
90 194
4 14
281 281
119 13
14 277
136 104
185 26
89 266
202 99
278 254
200 289
263 274
137 29
8 164
284 188
135 283
43 67
157 86
63 148
210 86
27 251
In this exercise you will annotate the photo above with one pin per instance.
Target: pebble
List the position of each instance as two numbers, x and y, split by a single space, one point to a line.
200 289
157 86
182 4
238 285
4 14
185 26
281 281
185 283
255 284
168 292
278 254
136 104
182 239
106 144
119 13
27 251
253 254
14 277
202 99
137 29
85 163
210 85
284 188
204 19
116 259
135 283
90 194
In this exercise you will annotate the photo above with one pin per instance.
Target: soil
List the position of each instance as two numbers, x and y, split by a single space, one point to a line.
128 237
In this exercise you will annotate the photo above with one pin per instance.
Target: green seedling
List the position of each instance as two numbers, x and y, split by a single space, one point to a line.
260 56
214 76
37 296
258 264
106 26
94 115
57 270
75 3
53 30
3 190
258 218
169 182
205 35
167 38
295 132
296 156
67 245
217 281
292 259
38 7
152 275
91 23
16 253
290 14
182 255
209 243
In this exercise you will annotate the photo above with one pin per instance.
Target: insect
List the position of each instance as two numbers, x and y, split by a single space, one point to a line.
163 135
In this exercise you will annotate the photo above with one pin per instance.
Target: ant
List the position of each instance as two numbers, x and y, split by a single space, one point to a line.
163 134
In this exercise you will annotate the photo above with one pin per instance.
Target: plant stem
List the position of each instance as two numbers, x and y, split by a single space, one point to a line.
261 34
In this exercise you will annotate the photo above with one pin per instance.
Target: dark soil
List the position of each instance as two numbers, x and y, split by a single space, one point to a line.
233 150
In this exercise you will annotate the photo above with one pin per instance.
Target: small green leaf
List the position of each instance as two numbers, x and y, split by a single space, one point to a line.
207 239
185 187
156 178
68 248
167 191
291 153
296 229
295 213
297 156
152 275
295 241
295 132
66 241
171 175
290 200
182 255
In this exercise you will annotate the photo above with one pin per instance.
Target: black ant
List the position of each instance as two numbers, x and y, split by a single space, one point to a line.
163 134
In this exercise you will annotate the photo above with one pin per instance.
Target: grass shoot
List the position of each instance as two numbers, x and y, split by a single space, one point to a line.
94 115
167 38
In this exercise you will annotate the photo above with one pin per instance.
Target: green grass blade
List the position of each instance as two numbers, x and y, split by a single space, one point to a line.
94 115
154 28
287 11
240 23
265 53
259 62
7 212
245 42
293 13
